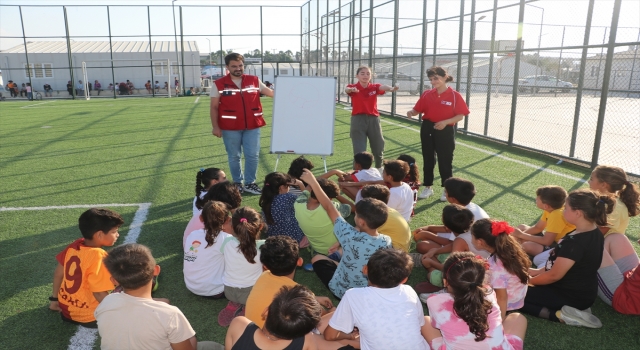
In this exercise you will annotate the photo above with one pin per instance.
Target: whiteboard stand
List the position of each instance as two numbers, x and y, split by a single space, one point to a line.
324 160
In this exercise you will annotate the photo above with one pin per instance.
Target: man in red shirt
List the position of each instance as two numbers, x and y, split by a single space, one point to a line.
365 119
236 116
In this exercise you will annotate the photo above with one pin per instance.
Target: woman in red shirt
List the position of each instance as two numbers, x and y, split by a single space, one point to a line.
365 119
442 107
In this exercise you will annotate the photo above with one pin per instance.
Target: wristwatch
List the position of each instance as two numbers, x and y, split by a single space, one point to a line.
53 299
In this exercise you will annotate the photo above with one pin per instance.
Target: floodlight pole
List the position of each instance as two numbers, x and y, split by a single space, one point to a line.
539 41
175 38
210 63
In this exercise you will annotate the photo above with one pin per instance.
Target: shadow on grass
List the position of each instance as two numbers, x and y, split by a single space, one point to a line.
38 328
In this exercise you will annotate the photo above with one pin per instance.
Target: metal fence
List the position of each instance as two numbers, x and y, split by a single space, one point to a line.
557 77
49 44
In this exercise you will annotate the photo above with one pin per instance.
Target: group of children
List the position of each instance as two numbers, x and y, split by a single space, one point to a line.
479 269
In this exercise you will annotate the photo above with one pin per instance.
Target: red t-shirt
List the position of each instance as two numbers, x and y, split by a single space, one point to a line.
365 101
436 107
626 299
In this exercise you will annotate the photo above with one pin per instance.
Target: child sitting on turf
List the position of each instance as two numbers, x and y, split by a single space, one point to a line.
290 318
362 172
241 262
318 228
225 192
468 316
396 227
387 313
617 287
203 264
280 256
551 200
205 178
413 178
295 170
456 191
277 206
80 282
457 219
359 243
508 263
132 319
568 282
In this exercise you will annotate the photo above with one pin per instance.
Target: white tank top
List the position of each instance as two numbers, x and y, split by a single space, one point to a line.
467 238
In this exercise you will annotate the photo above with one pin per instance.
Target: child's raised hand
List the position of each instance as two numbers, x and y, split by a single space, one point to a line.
308 177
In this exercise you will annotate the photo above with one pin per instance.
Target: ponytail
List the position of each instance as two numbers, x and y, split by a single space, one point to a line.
246 226
497 235
465 274
618 183
214 215
414 173
204 177
594 205
271 189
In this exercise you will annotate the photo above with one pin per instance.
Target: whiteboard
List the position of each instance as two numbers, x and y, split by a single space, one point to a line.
303 115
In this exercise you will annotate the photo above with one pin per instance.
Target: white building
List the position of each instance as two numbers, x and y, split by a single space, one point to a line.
49 62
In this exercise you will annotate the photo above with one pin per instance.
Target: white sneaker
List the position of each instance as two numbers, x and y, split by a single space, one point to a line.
574 317
443 198
425 193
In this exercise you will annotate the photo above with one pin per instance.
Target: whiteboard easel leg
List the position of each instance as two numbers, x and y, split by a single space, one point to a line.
324 159
277 160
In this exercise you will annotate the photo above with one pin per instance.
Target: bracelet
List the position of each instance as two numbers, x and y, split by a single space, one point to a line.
53 299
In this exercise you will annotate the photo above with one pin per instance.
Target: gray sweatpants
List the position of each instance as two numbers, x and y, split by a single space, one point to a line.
367 126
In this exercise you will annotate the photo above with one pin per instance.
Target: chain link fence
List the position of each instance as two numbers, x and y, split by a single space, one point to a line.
557 77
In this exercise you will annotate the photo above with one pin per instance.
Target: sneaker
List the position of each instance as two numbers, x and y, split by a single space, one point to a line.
229 313
425 193
574 317
308 267
239 187
253 188
425 296
443 198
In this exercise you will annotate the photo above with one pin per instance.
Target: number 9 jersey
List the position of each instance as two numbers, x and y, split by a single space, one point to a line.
84 274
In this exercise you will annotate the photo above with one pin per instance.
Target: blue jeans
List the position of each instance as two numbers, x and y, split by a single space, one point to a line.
237 142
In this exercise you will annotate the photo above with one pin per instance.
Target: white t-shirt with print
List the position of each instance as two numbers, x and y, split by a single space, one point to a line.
478 213
203 267
371 174
387 318
197 211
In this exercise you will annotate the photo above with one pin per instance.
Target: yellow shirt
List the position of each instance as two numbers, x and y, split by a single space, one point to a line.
556 223
619 218
262 294
398 229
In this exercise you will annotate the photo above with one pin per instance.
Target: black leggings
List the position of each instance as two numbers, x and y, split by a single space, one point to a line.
440 142
540 298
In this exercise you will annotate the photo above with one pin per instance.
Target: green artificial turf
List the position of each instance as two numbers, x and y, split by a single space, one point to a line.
148 150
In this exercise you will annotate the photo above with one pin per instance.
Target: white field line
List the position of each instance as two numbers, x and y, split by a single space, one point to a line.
37 104
529 165
85 338
197 98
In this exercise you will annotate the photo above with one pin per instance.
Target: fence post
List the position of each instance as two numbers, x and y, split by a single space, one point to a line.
604 94
490 73
460 36
396 15
30 71
371 33
583 64
182 78
472 34
153 86
516 74
435 33
423 50
66 28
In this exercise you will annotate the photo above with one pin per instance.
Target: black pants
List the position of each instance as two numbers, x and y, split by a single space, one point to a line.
540 297
440 142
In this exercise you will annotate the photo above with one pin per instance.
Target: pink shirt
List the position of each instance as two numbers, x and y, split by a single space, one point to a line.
500 278
455 331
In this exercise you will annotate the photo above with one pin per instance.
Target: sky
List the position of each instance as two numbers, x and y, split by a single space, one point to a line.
563 23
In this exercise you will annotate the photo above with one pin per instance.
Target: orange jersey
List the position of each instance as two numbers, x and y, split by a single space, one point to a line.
84 274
